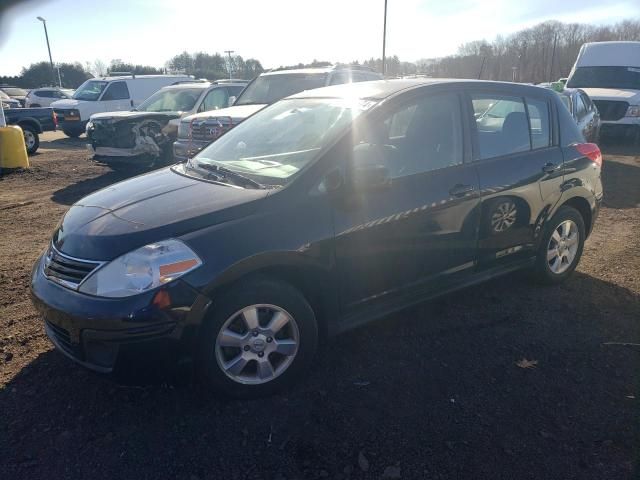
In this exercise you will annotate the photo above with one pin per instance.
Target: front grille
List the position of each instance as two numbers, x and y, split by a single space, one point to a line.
63 340
611 109
65 270
209 129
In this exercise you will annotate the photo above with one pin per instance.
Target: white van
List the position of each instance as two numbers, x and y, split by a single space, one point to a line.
609 72
108 94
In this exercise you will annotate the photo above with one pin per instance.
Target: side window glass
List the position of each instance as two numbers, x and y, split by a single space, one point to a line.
116 91
215 99
501 125
422 136
46 94
539 121
587 102
581 108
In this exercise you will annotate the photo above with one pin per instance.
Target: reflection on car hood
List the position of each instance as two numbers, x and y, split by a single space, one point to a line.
130 114
626 95
238 112
65 103
162 204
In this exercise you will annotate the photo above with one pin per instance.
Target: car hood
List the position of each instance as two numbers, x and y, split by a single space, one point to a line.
146 209
66 103
238 112
132 115
627 95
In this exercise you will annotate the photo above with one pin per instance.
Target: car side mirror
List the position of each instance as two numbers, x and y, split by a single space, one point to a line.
232 100
369 171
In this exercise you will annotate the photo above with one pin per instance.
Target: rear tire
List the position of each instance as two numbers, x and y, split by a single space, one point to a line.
561 246
259 338
31 139
72 133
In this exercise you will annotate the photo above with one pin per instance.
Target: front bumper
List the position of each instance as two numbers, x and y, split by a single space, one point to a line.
185 149
119 335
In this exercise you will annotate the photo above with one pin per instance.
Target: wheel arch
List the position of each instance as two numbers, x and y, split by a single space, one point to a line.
31 122
582 205
310 278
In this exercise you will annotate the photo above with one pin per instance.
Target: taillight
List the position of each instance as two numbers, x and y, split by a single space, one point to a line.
55 119
591 151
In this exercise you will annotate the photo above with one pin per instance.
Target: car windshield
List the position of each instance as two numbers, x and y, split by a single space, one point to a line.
14 91
172 100
4 96
268 89
277 142
605 77
90 90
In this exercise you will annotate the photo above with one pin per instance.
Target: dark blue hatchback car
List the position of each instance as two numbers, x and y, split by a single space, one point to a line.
323 211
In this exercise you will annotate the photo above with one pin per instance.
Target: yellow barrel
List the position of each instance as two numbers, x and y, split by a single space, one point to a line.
13 153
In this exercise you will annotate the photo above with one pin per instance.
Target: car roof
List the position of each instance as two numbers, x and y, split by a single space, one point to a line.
317 70
381 89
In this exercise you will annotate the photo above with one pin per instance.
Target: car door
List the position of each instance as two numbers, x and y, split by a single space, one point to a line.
519 165
116 97
400 241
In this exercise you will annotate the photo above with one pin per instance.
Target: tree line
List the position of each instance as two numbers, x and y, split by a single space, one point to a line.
544 52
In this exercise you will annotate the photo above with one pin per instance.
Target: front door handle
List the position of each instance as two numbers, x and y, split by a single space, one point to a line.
550 168
460 190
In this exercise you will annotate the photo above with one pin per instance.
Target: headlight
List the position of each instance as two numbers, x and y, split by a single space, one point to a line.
183 130
633 111
141 270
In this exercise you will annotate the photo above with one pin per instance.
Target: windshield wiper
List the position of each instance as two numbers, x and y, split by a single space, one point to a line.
225 173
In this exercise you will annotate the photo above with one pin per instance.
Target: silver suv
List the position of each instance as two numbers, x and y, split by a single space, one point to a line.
197 131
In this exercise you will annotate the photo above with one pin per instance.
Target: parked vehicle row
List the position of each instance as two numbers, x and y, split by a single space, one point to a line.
108 94
320 212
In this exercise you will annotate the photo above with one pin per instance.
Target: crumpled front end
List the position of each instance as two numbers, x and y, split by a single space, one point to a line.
131 137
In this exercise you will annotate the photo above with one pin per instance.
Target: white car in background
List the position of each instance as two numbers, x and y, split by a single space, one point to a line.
44 97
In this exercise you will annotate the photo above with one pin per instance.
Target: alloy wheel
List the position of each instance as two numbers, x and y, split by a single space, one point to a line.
29 139
504 216
257 344
563 247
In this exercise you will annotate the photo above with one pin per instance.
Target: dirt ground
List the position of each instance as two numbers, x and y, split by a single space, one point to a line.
434 392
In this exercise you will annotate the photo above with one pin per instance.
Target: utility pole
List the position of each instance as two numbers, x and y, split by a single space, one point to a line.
46 34
553 56
229 52
384 40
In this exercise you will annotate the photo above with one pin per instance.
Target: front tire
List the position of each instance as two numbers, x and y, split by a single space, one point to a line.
561 246
260 336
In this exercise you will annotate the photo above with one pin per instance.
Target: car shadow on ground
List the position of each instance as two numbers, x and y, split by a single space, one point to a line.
435 391
65 143
621 182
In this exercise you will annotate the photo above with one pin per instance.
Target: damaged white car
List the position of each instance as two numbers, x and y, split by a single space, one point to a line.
145 134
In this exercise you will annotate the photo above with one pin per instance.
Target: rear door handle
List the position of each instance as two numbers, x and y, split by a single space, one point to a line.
460 190
550 168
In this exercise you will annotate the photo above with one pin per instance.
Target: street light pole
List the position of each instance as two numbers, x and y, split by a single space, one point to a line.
46 34
384 40
229 52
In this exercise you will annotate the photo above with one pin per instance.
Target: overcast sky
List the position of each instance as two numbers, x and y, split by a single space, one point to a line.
276 32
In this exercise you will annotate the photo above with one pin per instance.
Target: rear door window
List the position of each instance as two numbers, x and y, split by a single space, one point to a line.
581 108
116 91
507 125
